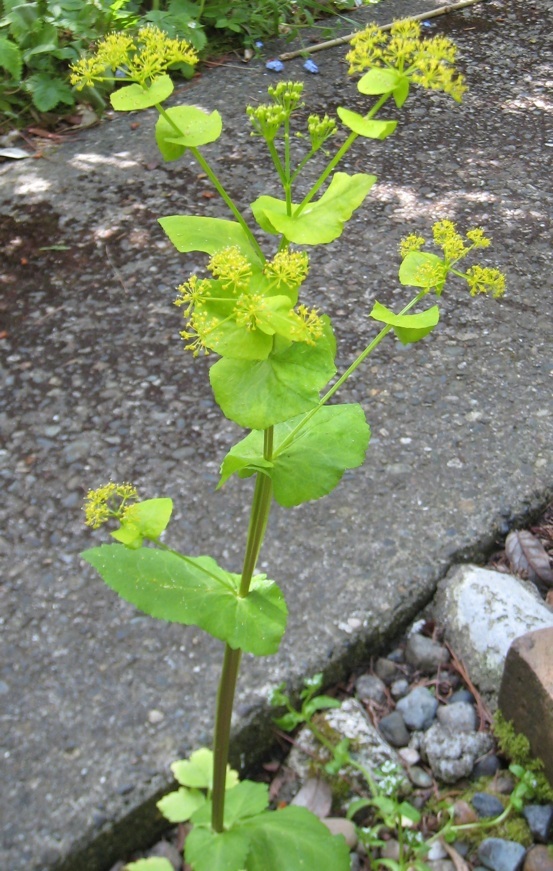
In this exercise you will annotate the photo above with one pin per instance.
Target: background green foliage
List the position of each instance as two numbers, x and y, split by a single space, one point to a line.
41 38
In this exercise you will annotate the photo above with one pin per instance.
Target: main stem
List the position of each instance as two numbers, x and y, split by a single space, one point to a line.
259 515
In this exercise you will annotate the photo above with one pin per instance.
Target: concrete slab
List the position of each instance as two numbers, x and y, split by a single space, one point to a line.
97 387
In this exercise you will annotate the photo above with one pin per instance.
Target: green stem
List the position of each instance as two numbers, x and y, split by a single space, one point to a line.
343 378
211 174
261 506
338 156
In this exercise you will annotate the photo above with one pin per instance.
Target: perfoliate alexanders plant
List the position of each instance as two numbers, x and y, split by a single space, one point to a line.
276 358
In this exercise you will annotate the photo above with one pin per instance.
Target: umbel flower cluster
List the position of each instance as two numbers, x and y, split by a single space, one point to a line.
141 58
243 308
433 271
112 501
426 62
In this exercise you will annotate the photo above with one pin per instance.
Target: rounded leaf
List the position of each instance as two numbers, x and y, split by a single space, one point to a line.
133 97
194 128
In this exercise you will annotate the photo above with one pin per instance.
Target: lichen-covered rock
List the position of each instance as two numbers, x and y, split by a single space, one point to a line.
451 755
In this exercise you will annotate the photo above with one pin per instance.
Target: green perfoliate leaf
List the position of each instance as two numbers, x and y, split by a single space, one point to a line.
321 221
401 92
197 128
206 850
380 80
197 771
178 806
261 393
195 591
133 97
146 519
365 126
293 839
244 801
10 58
312 464
423 269
189 233
153 863
408 328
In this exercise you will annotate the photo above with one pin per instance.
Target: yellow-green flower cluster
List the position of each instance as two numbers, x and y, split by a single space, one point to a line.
141 58
110 501
253 299
287 95
266 120
432 271
320 129
426 62
289 268
485 279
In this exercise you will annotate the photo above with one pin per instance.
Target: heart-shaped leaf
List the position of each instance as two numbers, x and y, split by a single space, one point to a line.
190 233
408 328
321 221
257 394
311 463
196 128
365 126
133 97
196 591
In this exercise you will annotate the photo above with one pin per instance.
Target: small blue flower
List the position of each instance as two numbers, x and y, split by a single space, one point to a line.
258 43
276 66
428 24
310 66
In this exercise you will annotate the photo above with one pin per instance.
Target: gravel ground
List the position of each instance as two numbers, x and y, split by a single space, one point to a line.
97 387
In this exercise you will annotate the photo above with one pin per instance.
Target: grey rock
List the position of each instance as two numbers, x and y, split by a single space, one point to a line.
540 820
165 850
487 766
369 748
387 670
418 708
424 654
342 826
451 755
487 805
394 730
399 688
370 688
460 716
500 855
461 696
419 777
483 612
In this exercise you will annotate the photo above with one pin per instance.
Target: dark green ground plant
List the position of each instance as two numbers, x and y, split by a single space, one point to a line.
277 359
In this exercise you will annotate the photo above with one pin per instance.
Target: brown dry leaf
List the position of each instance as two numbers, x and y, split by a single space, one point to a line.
528 557
456 858
316 796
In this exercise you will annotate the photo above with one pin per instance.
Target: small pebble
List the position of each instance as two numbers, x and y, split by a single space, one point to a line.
155 717
486 805
500 855
390 850
459 717
424 654
436 852
420 777
399 688
461 696
538 859
486 767
418 708
386 670
341 826
409 755
394 730
540 820
165 850
463 813
370 688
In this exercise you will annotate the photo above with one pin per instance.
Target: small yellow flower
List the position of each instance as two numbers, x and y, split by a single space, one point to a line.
249 308
288 267
409 243
192 293
109 501
141 59
426 62
476 236
485 279
196 334
232 268
308 326
449 240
